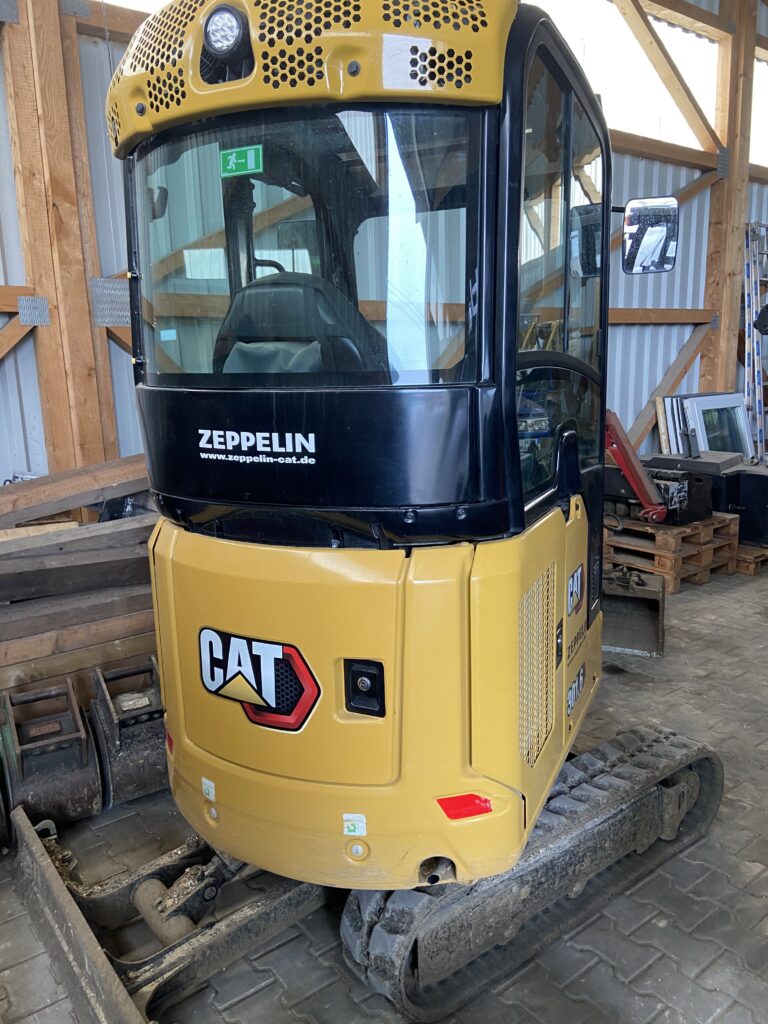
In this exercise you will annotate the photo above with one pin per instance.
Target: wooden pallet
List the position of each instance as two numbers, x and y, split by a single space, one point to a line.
679 554
749 560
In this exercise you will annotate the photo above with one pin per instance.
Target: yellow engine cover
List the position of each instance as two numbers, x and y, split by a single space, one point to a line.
267 763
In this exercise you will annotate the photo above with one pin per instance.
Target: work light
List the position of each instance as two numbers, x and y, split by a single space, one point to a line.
224 32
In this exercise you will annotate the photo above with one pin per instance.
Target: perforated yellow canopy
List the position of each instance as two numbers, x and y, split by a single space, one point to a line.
436 51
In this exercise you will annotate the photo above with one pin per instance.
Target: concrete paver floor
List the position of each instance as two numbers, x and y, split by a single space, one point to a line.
688 945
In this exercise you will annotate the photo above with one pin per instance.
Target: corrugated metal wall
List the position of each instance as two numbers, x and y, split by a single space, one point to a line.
758 203
22 443
97 60
762 17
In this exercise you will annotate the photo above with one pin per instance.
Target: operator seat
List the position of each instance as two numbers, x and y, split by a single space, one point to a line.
296 323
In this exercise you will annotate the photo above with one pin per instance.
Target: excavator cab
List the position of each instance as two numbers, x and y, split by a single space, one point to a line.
369 249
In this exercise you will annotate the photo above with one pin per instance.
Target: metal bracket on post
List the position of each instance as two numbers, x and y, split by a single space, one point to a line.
723 161
34 310
110 301
9 12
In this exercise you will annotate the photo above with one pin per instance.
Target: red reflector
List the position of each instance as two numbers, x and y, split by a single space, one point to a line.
468 805
169 741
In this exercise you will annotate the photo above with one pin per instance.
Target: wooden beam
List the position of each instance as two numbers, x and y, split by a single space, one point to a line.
24 579
729 202
91 537
690 16
761 49
121 337
191 305
645 33
74 638
664 152
588 186
66 240
34 499
26 618
75 661
121 22
35 236
9 297
11 334
758 174
90 245
670 382
655 317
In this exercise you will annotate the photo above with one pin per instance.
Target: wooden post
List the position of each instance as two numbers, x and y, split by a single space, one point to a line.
729 201
64 231
77 125
35 237
52 242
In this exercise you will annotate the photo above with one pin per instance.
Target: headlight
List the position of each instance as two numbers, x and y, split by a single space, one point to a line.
533 426
224 31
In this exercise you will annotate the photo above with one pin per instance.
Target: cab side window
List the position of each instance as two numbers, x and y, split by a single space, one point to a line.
559 339
586 240
543 229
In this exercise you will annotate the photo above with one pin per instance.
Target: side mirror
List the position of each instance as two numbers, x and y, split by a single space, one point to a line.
761 324
650 236
586 240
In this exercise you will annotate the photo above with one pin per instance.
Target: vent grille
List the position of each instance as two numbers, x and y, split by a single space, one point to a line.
166 90
289 22
160 44
114 123
284 68
437 14
537 666
435 67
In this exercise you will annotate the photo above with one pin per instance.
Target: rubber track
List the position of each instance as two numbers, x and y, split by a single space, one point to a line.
379 930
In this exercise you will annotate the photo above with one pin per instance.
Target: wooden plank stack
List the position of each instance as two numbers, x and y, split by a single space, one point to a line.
73 596
679 554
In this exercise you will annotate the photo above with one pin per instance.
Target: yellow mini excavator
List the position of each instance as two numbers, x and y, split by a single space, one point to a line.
369 244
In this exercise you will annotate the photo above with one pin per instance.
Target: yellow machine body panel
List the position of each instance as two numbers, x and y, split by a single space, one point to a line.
435 51
340 798
530 629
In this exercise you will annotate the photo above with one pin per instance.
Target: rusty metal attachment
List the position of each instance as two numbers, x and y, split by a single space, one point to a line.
126 716
633 608
51 767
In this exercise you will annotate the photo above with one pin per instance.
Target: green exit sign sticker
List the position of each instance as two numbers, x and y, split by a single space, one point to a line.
246 160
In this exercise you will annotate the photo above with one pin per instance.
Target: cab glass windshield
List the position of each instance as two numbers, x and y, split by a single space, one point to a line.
313 248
